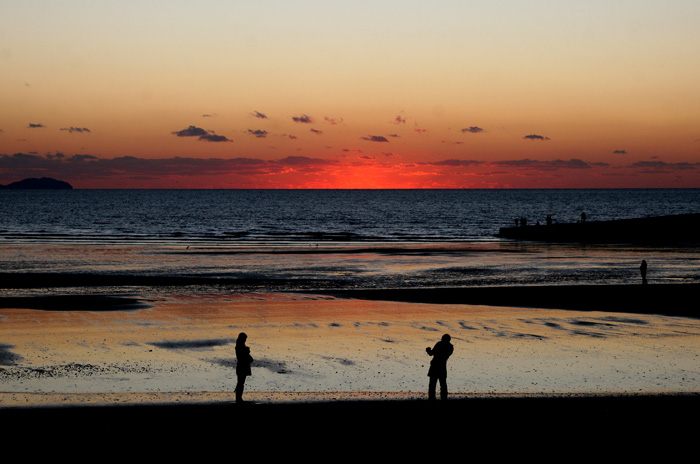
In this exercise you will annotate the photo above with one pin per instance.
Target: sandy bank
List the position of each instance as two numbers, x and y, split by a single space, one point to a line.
667 299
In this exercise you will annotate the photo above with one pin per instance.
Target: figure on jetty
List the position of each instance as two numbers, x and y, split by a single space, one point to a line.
643 270
438 366
243 362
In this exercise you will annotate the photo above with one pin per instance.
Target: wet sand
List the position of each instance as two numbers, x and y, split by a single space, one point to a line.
355 359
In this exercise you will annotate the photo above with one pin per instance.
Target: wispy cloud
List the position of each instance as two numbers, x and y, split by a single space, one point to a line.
304 118
620 152
662 166
90 171
453 162
90 167
75 129
316 131
258 114
473 129
259 133
34 126
375 138
202 134
399 119
333 121
535 137
546 165
214 138
191 131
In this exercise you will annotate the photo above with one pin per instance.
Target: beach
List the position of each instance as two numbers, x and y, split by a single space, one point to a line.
172 347
164 361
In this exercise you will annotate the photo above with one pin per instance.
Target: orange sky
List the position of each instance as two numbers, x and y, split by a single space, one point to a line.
311 94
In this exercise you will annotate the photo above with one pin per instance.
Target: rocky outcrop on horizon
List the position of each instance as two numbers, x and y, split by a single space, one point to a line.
45 183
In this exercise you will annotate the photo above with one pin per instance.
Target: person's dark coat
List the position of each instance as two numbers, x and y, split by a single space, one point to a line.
440 353
243 360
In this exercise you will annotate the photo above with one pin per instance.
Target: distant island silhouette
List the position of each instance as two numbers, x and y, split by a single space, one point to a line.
45 183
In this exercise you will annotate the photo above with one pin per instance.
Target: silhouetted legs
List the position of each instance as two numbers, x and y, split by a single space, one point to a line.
239 388
443 387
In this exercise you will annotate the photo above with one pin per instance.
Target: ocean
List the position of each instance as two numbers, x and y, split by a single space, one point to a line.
296 239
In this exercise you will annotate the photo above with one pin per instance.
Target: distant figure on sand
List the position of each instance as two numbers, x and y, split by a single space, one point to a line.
438 366
243 362
643 270
583 217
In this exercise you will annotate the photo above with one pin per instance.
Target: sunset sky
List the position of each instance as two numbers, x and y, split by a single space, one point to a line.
351 94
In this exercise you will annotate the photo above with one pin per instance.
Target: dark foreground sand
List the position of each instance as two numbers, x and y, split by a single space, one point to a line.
535 428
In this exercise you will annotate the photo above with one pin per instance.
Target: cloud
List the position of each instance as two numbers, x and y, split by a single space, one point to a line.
333 121
191 131
399 119
620 152
214 138
375 138
90 168
535 137
546 165
258 114
316 131
34 126
90 171
209 115
79 157
394 135
75 129
302 160
453 162
259 133
662 166
420 131
204 135
304 118
473 129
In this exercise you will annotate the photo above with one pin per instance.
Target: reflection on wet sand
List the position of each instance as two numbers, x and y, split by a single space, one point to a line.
182 346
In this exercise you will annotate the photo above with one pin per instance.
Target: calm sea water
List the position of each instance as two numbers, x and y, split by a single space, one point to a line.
227 216
322 238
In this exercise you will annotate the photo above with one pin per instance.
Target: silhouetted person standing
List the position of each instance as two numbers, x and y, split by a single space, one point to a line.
243 362
583 217
643 270
438 366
